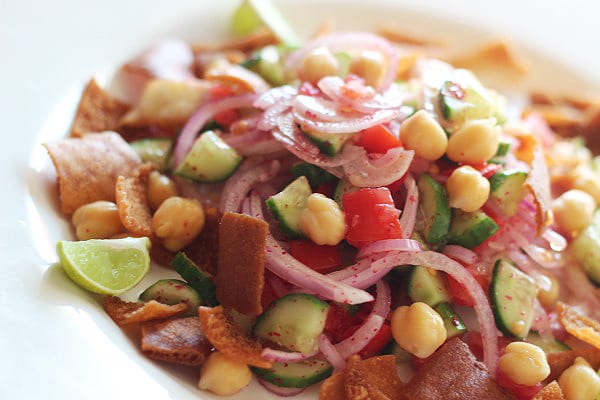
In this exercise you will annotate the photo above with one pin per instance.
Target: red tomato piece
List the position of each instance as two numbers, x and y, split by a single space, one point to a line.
459 293
371 216
379 341
377 139
220 90
521 392
226 118
322 259
487 170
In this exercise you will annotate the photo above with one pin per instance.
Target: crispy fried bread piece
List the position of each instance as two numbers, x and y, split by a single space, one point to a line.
550 392
204 250
333 388
97 111
582 327
125 313
88 167
373 378
178 341
228 339
564 359
241 274
453 373
132 201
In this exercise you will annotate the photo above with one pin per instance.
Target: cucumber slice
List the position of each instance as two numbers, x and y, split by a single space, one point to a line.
157 151
210 160
549 346
341 189
242 321
512 294
427 285
196 278
586 248
173 291
296 375
287 206
252 14
435 208
470 229
328 143
268 63
503 149
452 321
315 175
507 188
294 321
464 97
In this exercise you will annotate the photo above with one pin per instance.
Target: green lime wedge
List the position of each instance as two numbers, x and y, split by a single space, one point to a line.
105 266
253 14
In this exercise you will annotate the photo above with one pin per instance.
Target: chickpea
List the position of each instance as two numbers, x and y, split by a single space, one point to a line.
587 180
223 376
370 65
318 64
97 220
573 211
475 142
467 189
548 297
422 133
580 381
323 221
418 329
524 364
178 221
160 188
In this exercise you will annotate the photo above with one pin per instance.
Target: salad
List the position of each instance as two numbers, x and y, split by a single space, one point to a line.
335 211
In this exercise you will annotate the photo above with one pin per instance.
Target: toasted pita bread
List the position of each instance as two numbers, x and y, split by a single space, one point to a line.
373 378
582 327
333 388
126 313
132 201
550 392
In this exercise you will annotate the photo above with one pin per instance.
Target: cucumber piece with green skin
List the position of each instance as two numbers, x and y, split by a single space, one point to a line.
296 375
294 321
426 285
503 149
507 188
210 160
328 143
315 175
344 186
436 211
287 206
157 151
463 98
549 346
252 14
586 248
512 296
452 321
268 63
173 291
470 229
196 278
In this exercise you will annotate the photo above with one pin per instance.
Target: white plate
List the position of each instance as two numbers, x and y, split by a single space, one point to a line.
55 341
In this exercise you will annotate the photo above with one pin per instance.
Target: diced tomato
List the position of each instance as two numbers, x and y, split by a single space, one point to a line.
459 293
322 259
377 139
226 118
521 392
371 216
487 170
381 339
475 343
397 185
340 324
326 189
220 90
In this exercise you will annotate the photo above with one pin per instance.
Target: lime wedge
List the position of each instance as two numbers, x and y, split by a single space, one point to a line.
109 266
252 14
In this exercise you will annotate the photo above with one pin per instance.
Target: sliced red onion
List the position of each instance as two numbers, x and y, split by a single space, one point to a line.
331 354
239 184
270 117
363 172
285 356
282 264
411 205
582 289
280 391
441 262
525 265
460 253
393 98
419 165
349 125
320 109
202 116
383 246
256 205
544 257
262 148
347 41
556 241
239 141
351 270
371 325
278 286
274 96
541 322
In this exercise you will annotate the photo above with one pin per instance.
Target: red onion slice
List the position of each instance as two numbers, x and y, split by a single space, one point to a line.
393 98
351 270
280 391
201 117
363 172
270 117
411 205
317 108
349 125
285 356
525 265
282 264
371 325
556 241
239 184
274 96
331 354
461 254
383 246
